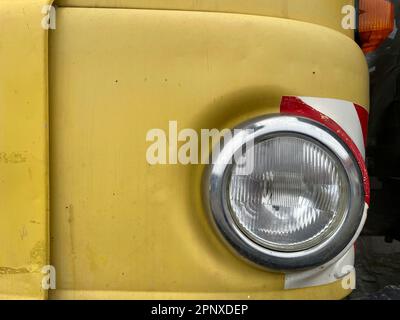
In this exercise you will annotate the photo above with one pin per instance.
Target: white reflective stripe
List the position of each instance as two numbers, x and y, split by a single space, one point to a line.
343 113
322 275
329 272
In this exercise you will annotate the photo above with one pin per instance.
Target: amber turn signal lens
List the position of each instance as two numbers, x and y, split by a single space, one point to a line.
376 22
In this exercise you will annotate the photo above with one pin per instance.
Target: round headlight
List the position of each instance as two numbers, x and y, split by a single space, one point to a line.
295 197
301 203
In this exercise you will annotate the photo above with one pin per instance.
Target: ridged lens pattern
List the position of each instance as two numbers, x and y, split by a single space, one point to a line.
295 197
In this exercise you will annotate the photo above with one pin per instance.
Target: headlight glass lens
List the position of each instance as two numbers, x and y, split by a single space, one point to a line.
295 197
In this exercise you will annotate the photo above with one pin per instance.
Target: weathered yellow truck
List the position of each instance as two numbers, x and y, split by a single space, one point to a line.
102 193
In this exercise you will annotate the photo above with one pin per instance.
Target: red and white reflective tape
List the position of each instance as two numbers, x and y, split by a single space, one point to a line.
348 120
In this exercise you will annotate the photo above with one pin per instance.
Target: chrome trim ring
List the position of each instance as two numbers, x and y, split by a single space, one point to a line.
215 195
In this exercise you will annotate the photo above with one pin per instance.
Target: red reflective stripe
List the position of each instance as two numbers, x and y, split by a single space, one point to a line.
296 106
363 116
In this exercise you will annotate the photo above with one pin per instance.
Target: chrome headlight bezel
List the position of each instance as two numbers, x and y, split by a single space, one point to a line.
215 194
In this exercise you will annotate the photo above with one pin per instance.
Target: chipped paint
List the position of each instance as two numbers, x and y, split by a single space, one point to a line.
7 270
38 254
13 157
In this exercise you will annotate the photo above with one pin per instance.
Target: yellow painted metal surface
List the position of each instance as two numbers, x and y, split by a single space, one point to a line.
327 292
326 12
23 150
120 227
123 228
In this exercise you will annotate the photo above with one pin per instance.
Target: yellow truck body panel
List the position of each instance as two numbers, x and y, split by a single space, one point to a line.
120 227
